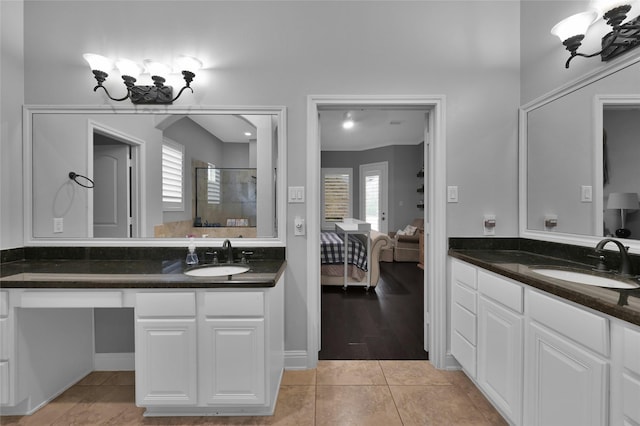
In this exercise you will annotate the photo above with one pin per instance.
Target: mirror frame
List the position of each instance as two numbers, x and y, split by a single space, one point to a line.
281 184
596 145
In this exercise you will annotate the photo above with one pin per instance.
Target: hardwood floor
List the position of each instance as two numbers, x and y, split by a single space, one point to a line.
384 323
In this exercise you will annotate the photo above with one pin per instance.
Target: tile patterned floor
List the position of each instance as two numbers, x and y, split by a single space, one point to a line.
364 393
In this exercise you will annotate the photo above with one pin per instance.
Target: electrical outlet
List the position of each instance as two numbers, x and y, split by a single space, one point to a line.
58 225
298 228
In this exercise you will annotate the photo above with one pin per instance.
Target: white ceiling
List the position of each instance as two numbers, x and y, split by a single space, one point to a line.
374 127
227 128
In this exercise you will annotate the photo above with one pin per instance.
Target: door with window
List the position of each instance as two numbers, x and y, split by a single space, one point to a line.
374 195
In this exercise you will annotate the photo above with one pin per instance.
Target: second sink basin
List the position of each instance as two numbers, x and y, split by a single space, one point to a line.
217 271
584 278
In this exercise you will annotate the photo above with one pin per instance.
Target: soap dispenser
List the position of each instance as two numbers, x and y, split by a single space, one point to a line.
192 256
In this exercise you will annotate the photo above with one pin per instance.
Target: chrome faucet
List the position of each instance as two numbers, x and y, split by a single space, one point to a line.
226 245
625 264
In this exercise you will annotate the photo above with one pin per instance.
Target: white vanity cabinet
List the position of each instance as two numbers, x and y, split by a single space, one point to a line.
464 308
210 352
542 360
500 342
232 338
567 381
166 349
6 383
625 374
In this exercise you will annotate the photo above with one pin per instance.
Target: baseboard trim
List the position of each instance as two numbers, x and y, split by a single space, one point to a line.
114 361
295 360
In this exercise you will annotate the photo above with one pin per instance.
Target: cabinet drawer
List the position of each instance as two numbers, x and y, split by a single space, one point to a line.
234 304
464 297
464 323
464 352
631 351
4 303
501 290
586 328
464 274
166 305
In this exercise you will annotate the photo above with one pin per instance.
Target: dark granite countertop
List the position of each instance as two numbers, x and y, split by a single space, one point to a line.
139 273
518 264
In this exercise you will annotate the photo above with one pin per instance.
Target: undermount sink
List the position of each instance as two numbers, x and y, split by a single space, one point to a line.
217 271
585 278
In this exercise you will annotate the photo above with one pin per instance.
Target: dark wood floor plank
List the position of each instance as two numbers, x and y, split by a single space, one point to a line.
383 323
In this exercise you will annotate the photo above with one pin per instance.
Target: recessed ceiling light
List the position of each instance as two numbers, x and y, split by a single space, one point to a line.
348 122
247 133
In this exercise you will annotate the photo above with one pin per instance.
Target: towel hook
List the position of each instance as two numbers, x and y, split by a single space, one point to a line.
74 176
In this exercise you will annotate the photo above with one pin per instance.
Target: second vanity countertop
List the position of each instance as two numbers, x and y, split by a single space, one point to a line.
517 265
79 274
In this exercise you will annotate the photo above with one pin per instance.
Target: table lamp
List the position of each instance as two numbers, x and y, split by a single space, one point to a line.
623 201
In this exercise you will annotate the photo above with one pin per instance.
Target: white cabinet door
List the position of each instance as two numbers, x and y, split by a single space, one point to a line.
500 357
166 362
565 384
232 361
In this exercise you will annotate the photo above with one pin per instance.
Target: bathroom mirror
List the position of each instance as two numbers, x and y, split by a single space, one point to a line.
107 174
575 151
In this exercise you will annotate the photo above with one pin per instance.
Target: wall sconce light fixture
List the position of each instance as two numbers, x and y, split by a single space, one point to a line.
623 37
623 201
158 93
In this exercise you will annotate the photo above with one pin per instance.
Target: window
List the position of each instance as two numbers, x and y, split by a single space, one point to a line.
336 196
172 176
213 184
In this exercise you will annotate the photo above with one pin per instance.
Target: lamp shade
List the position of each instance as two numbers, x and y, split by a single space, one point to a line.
623 200
157 68
574 25
98 62
128 67
187 63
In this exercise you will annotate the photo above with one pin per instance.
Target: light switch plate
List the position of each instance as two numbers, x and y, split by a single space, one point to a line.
452 194
586 194
296 194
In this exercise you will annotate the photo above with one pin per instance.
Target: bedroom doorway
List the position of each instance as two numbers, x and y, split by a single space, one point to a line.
434 317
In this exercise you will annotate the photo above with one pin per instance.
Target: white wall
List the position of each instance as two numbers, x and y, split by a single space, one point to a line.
11 100
277 53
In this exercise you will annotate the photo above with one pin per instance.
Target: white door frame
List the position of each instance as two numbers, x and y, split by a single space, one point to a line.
435 263
383 166
138 186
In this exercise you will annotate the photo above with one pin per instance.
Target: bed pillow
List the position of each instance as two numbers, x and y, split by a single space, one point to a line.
410 230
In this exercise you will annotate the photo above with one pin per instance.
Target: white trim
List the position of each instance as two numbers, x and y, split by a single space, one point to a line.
28 110
295 360
599 102
138 186
435 273
114 362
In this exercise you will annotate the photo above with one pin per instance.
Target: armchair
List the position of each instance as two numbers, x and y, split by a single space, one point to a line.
406 243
